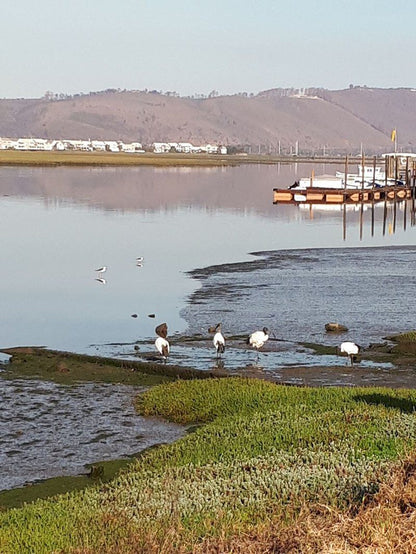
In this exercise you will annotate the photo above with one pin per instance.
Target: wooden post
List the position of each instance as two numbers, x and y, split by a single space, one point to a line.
396 169
372 195
346 172
386 169
412 206
362 170
405 215
407 171
344 221
372 216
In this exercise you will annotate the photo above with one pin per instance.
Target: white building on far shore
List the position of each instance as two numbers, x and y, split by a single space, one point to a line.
94 145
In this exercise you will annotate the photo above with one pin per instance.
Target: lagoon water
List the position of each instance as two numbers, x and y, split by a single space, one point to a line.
57 225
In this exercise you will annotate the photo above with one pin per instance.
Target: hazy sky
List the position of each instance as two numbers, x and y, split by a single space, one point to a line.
194 46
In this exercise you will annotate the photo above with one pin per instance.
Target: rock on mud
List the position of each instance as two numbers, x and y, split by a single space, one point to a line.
335 328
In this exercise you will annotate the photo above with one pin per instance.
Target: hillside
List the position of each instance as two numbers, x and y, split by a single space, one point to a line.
339 120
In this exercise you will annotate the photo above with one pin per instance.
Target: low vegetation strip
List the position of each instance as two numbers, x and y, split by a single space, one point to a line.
260 454
75 158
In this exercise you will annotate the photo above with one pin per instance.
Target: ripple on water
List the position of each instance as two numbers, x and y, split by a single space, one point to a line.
48 430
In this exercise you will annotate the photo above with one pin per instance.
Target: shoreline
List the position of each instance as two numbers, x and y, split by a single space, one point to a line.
122 159
71 368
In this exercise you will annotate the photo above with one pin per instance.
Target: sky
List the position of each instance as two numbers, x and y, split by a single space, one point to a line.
195 47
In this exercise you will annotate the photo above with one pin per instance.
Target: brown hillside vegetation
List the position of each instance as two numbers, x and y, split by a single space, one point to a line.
339 120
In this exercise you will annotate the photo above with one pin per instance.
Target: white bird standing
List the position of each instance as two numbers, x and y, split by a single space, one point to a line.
162 346
219 341
258 339
350 349
161 343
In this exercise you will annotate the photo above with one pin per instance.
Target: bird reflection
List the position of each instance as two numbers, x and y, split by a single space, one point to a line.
219 363
101 280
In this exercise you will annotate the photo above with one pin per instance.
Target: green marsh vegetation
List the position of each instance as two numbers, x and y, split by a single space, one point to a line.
68 368
258 453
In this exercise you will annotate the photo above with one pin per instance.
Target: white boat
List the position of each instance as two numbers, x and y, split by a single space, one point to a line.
372 177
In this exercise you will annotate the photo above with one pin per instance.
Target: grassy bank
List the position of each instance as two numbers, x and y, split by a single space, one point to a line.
12 157
261 453
68 368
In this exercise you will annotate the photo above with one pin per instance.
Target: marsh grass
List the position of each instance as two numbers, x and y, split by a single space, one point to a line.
409 336
262 453
68 368
12 157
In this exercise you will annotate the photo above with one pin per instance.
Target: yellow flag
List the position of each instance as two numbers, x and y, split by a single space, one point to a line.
393 135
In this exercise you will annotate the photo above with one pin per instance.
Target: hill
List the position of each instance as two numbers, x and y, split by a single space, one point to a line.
311 120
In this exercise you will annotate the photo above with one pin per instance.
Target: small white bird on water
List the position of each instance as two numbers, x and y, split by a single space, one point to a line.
101 269
258 339
219 341
161 343
350 349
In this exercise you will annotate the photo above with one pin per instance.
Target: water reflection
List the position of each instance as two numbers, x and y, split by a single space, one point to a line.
245 188
389 216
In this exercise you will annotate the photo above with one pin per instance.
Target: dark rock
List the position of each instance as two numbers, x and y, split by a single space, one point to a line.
335 328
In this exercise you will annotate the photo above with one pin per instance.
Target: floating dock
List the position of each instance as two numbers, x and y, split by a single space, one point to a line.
315 195
399 169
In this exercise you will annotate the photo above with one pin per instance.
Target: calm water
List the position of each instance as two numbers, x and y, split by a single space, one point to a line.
58 225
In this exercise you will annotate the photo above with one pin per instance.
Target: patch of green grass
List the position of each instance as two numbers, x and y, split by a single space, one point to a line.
409 336
68 368
320 348
263 450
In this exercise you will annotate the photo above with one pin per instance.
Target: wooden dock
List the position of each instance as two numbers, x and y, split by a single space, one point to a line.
401 168
315 195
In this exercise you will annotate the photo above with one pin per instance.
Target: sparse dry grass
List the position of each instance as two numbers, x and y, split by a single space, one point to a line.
12 157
